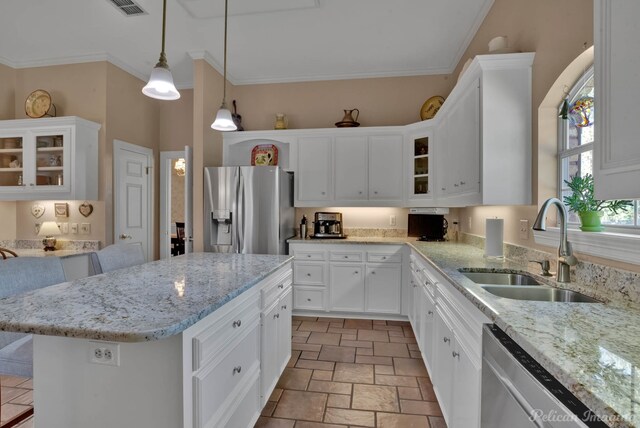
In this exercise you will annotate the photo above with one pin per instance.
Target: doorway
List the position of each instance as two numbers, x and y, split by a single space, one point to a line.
176 193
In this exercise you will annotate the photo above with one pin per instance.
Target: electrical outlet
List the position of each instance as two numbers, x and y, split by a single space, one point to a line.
392 220
64 228
85 228
106 353
524 229
74 228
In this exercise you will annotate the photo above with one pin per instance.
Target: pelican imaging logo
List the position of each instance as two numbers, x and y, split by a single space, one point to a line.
588 417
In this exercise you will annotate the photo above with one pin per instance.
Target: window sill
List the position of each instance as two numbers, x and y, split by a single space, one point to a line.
622 247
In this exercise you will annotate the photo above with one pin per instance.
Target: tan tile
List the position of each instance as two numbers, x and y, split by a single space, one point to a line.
336 325
409 367
384 370
426 388
395 329
303 318
315 365
10 411
399 323
328 386
304 334
396 380
7 380
389 420
381 349
350 417
349 337
268 408
27 384
365 359
309 355
294 358
364 351
396 333
415 354
353 331
274 423
7 394
379 322
406 393
375 397
330 320
354 373
413 347
324 338
295 325
305 424
437 422
337 353
430 408
408 331
299 339
305 347
409 340
314 326
29 424
340 401
322 375
373 335
275 395
294 378
301 405
356 343
359 324
26 399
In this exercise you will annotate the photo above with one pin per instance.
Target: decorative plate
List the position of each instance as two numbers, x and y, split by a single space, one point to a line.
37 210
85 209
38 103
431 107
264 154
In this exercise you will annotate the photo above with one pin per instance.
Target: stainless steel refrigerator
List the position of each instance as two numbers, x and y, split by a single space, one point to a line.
248 209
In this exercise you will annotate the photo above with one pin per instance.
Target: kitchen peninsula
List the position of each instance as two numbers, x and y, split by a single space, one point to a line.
149 345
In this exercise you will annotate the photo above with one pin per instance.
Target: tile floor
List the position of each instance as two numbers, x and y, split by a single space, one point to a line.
342 373
356 373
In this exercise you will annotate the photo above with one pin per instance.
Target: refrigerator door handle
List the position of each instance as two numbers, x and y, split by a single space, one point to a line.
240 214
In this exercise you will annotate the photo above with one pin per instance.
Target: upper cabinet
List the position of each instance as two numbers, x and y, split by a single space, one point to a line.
420 152
51 159
616 152
314 178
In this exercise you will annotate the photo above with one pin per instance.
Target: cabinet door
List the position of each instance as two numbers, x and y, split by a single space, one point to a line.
443 363
269 364
447 168
421 167
315 171
616 150
347 287
51 161
11 161
383 288
284 330
411 312
385 168
467 377
350 163
427 329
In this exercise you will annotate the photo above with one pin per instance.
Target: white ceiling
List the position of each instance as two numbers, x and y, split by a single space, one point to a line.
269 41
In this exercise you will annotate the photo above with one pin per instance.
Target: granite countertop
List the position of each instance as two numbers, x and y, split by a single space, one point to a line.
146 302
353 240
593 349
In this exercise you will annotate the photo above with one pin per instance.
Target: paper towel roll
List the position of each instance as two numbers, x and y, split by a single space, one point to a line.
494 230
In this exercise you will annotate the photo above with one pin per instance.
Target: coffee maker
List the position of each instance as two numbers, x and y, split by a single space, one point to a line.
328 225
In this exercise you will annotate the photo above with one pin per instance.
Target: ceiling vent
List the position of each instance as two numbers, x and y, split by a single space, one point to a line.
128 8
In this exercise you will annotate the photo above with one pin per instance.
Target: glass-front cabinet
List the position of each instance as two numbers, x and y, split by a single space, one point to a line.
53 158
419 147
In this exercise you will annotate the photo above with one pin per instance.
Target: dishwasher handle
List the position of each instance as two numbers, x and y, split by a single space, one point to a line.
514 393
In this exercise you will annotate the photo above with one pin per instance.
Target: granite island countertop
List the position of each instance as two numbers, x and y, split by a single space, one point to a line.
146 302
593 349
364 240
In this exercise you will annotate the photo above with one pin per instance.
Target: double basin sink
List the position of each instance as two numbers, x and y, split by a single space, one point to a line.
523 287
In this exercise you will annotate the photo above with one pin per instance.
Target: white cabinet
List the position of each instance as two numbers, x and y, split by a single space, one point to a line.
382 288
616 161
419 165
51 159
443 363
427 328
385 169
284 328
351 168
310 277
314 177
346 287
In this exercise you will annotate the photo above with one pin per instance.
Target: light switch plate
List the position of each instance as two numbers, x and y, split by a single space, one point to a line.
392 220
64 228
524 229
85 228
74 228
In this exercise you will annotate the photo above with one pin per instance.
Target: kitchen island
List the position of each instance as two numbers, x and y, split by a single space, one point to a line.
165 344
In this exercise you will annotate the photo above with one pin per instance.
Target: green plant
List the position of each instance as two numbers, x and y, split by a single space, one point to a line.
582 200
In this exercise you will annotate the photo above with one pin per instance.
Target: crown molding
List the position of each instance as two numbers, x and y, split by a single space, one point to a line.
473 30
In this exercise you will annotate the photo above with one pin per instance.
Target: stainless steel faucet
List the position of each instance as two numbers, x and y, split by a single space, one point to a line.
566 259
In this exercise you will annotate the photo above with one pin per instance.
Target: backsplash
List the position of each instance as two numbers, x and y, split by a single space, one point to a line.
61 244
603 282
360 232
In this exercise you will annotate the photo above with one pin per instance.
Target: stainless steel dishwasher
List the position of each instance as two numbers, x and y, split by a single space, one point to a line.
517 392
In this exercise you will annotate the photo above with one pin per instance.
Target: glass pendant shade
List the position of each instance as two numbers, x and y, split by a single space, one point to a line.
161 85
223 121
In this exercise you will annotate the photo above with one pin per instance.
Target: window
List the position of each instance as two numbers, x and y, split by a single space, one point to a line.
575 156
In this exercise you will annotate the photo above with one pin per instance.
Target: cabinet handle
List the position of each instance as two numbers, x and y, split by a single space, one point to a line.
373 272
324 193
237 323
455 185
346 257
308 274
446 339
284 307
308 300
276 316
31 184
237 369
429 312
281 286
462 183
308 256
384 257
444 188
455 354
375 193
359 193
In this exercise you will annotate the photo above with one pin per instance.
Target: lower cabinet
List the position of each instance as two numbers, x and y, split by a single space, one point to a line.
346 287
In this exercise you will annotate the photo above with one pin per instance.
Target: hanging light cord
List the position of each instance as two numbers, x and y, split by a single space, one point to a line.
163 58
224 85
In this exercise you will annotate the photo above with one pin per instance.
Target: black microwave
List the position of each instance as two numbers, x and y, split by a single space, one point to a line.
428 227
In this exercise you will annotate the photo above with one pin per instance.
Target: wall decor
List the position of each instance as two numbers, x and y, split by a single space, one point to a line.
264 154
431 107
37 210
61 209
38 104
85 209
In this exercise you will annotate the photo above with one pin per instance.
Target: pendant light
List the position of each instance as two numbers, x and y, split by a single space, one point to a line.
160 84
223 121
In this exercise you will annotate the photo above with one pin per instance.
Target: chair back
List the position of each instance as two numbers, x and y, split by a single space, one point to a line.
5 252
117 256
21 274
180 230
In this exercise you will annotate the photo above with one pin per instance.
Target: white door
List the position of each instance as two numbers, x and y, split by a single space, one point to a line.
346 287
383 289
188 200
385 167
315 172
133 195
284 329
351 168
269 356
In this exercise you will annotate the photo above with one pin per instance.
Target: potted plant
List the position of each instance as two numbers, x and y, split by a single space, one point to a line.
589 209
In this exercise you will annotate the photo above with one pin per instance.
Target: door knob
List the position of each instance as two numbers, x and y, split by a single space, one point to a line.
125 236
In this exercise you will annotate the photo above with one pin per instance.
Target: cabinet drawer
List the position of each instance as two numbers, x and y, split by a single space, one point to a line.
346 256
310 255
380 257
218 385
309 273
208 343
273 289
308 298
248 410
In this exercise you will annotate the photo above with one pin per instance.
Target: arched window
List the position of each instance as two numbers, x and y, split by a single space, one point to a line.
575 150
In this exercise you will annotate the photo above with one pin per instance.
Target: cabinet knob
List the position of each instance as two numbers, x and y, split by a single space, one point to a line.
346 257
276 316
429 312
462 183
308 300
284 307
455 185
373 272
324 193
375 193
384 257
281 286
31 184
237 323
308 274
444 188
359 193
446 339
237 369
455 354
355 272
308 256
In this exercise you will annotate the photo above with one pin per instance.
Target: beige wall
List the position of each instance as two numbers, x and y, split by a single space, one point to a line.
7 220
7 92
176 122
